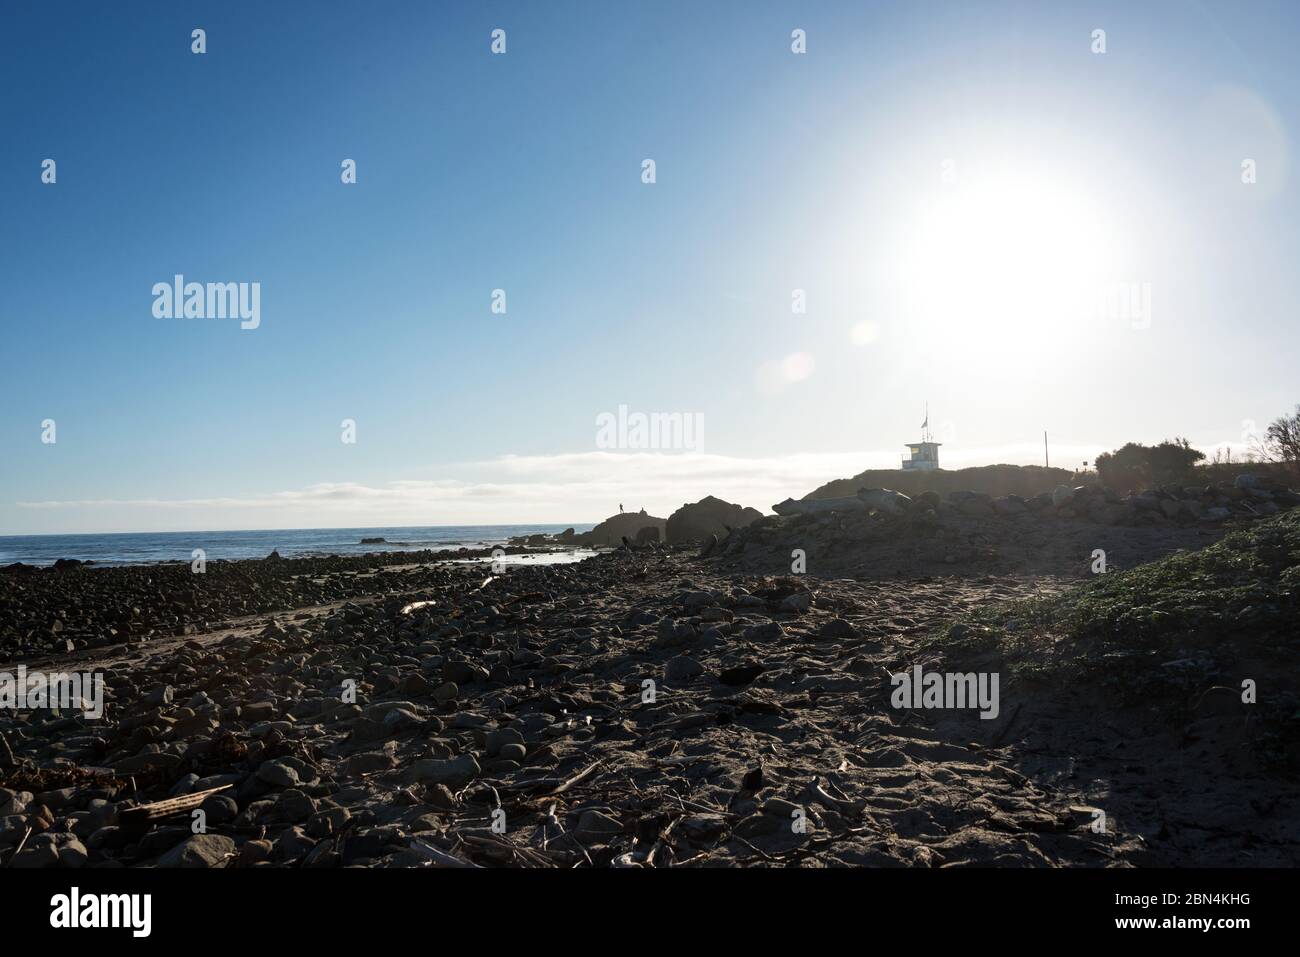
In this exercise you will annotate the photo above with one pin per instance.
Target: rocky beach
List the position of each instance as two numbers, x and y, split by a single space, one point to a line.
693 703
851 438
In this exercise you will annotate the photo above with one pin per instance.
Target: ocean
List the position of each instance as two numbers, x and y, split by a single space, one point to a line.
135 548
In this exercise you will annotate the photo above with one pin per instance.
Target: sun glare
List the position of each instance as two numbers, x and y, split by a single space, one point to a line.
1002 269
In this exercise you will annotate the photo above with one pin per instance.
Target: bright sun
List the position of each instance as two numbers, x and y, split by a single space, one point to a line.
1003 269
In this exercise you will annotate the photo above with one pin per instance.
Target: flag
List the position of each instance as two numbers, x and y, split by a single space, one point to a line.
926 423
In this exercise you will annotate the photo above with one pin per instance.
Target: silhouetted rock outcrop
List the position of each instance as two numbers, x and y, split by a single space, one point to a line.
647 534
880 531
1023 480
612 530
709 516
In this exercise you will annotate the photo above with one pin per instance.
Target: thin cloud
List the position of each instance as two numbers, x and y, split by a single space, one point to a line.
571 487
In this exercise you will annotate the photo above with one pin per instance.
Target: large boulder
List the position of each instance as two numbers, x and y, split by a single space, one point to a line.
974 504
709 516
884 500
612 530
649 534
819 506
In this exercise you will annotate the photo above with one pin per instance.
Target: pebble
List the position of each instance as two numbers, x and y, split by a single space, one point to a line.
219 809
838 628
799 602
454 773
368 762
254 852
495 740
528 692
199 850
596 824
772 631
278 774
294 806
328 821
682 668
513 751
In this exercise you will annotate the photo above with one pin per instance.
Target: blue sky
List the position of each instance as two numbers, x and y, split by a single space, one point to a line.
522 171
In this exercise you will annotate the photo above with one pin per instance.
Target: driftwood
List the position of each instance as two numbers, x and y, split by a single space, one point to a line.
136 820
418 605
553 785
19 849
437 857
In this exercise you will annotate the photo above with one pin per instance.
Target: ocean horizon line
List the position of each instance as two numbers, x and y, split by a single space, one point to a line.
297 528
135 548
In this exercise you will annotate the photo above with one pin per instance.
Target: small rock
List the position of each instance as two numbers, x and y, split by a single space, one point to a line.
838 628
278 774
799 602
254 852
454 773
368 762
594 825
771 631
513 752
73 853
294 806
219 809
199 850
494 741
682 668
329 821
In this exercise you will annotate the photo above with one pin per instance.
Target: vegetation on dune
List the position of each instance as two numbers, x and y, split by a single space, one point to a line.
1281 442
1164 633
1133 467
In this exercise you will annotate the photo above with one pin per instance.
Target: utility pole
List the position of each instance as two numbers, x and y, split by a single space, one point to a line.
1046 464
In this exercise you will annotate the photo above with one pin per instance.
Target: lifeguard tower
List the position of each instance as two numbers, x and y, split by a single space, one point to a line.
924 454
